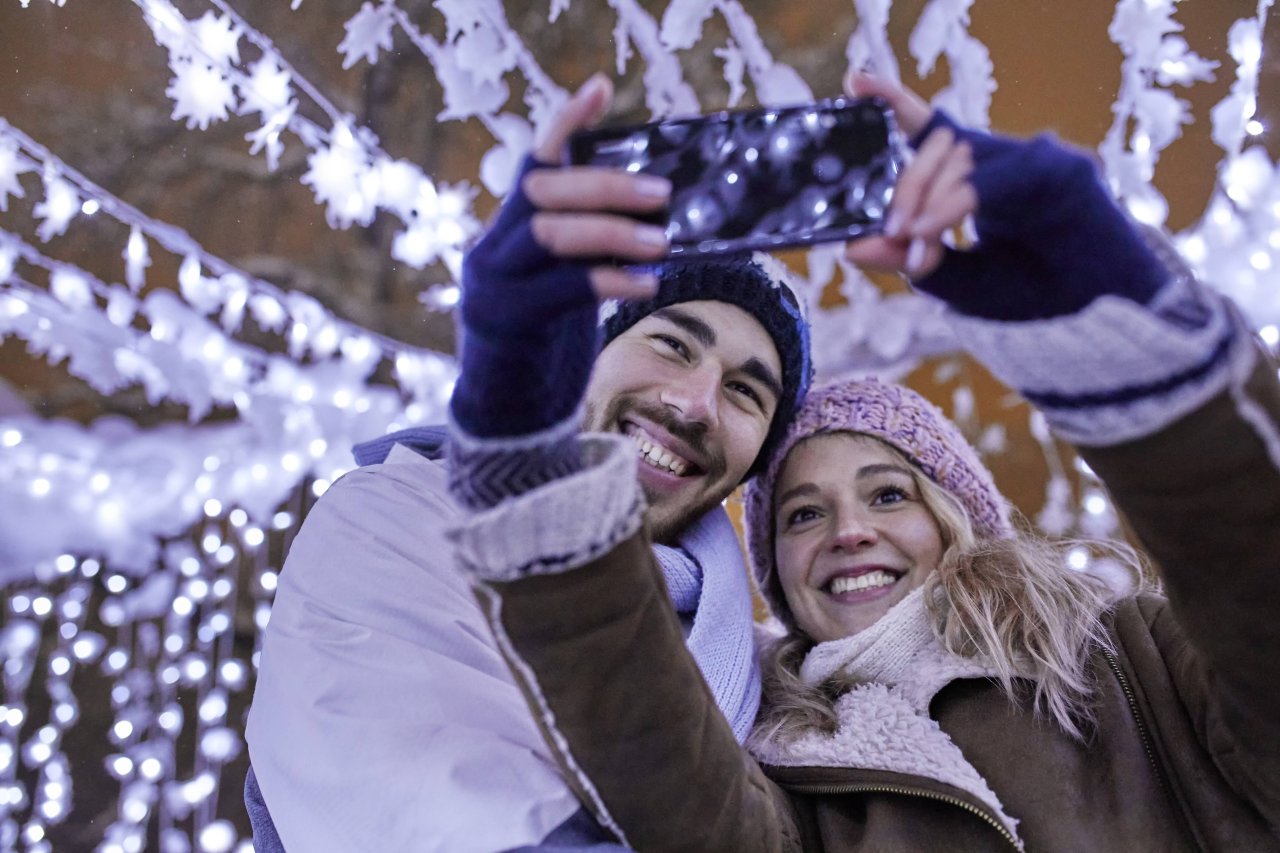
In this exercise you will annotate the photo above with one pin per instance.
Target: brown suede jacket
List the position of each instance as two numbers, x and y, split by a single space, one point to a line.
1187 751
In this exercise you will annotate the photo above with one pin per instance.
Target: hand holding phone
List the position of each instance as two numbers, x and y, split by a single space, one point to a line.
762 179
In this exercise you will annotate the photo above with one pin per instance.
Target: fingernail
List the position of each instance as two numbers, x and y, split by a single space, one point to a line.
593 85
893 225
646 284
652 185
915 255
651 235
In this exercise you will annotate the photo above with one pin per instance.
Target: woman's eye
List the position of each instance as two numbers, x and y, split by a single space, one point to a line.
889 495
800 516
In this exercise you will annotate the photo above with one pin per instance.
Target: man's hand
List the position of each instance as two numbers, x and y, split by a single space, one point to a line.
581 211
531 285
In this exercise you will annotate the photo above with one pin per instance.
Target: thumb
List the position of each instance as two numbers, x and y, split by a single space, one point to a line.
584 109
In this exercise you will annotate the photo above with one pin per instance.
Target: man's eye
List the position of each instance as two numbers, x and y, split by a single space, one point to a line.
748 392
675 344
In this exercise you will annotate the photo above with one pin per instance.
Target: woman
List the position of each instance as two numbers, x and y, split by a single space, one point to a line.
945 684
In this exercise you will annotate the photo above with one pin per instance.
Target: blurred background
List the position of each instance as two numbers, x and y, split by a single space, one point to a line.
229 235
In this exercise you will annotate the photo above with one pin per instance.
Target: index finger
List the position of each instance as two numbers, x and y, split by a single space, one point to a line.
909 108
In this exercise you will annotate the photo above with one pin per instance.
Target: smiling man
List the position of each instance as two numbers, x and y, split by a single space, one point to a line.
384 715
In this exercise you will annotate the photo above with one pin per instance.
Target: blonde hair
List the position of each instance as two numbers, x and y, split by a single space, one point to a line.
1014 601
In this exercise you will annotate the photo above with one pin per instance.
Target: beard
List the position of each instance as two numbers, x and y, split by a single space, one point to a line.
668 515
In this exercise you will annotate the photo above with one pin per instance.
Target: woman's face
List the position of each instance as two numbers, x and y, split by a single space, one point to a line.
852 533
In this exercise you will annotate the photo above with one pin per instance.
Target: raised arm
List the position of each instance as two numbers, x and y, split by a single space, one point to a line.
1154 377
581 614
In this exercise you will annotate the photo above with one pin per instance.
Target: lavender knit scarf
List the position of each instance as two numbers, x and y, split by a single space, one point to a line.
707 581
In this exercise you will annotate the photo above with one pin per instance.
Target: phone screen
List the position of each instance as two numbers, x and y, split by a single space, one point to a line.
762 179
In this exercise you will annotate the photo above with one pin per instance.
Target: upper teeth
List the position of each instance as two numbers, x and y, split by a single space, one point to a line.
655 454
867 581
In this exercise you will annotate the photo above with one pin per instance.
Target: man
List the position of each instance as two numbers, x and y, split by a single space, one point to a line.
385 717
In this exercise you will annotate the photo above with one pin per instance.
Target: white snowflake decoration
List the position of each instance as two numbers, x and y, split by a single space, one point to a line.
219 39
60 205
12 164
342 178
368 33
268 88
201 94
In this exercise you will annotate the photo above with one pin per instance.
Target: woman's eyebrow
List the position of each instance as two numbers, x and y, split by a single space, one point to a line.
802 489
880 468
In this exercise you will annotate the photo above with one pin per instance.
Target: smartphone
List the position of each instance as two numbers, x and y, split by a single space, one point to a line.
764 178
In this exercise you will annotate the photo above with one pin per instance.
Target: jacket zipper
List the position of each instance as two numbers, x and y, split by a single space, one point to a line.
1137 718
911 792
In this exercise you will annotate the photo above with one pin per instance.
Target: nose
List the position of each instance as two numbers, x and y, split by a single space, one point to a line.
853 531
695 395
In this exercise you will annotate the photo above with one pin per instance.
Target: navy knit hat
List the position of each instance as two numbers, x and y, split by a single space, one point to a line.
740 281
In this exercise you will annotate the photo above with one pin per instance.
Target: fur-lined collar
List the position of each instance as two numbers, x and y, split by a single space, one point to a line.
884 722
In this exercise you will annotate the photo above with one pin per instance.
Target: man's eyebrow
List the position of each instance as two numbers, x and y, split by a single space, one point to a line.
704 334
701 331
759 371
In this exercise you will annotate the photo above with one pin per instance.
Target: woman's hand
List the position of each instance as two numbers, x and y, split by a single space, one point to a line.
933 193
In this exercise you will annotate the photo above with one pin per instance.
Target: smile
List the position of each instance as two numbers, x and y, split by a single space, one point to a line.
658 456
874 579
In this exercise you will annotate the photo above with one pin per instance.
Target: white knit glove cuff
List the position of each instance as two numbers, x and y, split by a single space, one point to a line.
560 525
1116 371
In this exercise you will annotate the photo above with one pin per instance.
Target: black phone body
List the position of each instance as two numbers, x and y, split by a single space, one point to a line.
765 178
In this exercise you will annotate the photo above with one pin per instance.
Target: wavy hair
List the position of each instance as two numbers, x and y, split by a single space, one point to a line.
1014 601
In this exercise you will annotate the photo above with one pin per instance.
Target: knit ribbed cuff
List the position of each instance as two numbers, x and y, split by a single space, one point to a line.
1116 371
483 472
561 525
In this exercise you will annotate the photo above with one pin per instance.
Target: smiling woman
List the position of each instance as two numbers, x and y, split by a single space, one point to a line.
854 535
875 504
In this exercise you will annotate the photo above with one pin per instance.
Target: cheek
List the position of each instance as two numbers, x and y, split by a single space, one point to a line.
745 437
926 544
791 556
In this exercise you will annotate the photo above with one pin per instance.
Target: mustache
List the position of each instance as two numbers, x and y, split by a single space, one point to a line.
691 433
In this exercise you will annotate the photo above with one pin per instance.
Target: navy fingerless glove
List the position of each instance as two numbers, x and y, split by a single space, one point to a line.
528 330
1050 237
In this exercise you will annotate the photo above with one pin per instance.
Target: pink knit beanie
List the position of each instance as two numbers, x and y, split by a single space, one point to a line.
902 419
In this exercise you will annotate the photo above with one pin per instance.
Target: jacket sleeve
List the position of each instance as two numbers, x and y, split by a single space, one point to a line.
1203 497
599 654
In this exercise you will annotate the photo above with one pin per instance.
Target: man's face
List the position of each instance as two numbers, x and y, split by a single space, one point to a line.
695 385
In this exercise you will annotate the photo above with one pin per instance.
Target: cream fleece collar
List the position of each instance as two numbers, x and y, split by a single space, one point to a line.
884 722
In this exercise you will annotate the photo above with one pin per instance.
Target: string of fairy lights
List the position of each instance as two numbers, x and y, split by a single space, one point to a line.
140 556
